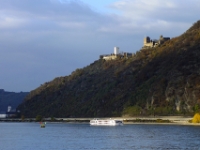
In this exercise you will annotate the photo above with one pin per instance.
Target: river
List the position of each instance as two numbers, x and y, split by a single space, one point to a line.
75 136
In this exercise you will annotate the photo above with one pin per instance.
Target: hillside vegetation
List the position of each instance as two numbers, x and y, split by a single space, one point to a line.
157 81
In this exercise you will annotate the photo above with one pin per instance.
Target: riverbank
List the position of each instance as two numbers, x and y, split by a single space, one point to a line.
126 120
160 119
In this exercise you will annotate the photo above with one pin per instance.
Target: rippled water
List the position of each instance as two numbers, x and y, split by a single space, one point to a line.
66 136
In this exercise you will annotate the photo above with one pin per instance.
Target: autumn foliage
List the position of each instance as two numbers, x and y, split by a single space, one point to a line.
156 81
196 118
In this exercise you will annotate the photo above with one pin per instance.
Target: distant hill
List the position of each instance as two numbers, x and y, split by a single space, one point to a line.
10 98
164 80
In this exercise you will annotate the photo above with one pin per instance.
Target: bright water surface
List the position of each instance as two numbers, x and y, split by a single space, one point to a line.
68 136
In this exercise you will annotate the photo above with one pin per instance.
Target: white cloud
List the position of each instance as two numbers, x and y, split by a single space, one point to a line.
171 16
145 9
72 25
11 22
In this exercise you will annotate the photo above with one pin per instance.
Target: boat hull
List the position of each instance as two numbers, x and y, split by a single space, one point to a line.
110 122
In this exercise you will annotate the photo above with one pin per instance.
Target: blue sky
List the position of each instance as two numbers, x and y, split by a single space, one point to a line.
44 39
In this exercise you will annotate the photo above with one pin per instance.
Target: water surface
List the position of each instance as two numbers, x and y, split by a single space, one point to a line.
69 136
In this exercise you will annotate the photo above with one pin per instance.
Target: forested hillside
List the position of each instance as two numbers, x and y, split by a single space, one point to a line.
10 98
157 81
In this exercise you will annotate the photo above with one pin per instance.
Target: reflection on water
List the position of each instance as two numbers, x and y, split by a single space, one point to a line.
62 136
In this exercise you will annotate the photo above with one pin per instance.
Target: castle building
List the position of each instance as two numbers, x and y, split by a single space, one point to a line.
116 54
148 43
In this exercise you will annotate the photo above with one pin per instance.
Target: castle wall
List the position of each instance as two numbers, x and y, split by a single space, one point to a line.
154 43
147 40
111 57
149 44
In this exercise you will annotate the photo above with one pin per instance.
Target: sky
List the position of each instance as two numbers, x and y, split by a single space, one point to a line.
44 39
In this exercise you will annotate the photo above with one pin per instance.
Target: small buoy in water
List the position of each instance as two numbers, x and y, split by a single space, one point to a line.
42 124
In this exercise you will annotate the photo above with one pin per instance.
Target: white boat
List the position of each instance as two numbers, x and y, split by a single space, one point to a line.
105 122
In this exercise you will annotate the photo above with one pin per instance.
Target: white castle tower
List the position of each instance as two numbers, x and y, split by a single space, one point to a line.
116 50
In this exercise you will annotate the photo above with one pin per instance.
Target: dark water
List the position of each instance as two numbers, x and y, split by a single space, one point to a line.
63 136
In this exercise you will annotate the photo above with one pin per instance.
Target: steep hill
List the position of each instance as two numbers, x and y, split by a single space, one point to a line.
164 80
10 98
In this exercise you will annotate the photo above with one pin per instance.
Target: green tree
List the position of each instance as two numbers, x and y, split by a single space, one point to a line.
196 108
38 118
22 117
133 111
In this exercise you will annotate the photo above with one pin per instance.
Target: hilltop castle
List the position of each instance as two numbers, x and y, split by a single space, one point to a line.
153 43
116 54
148 43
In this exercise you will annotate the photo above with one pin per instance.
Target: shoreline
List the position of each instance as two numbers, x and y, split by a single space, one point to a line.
162 120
